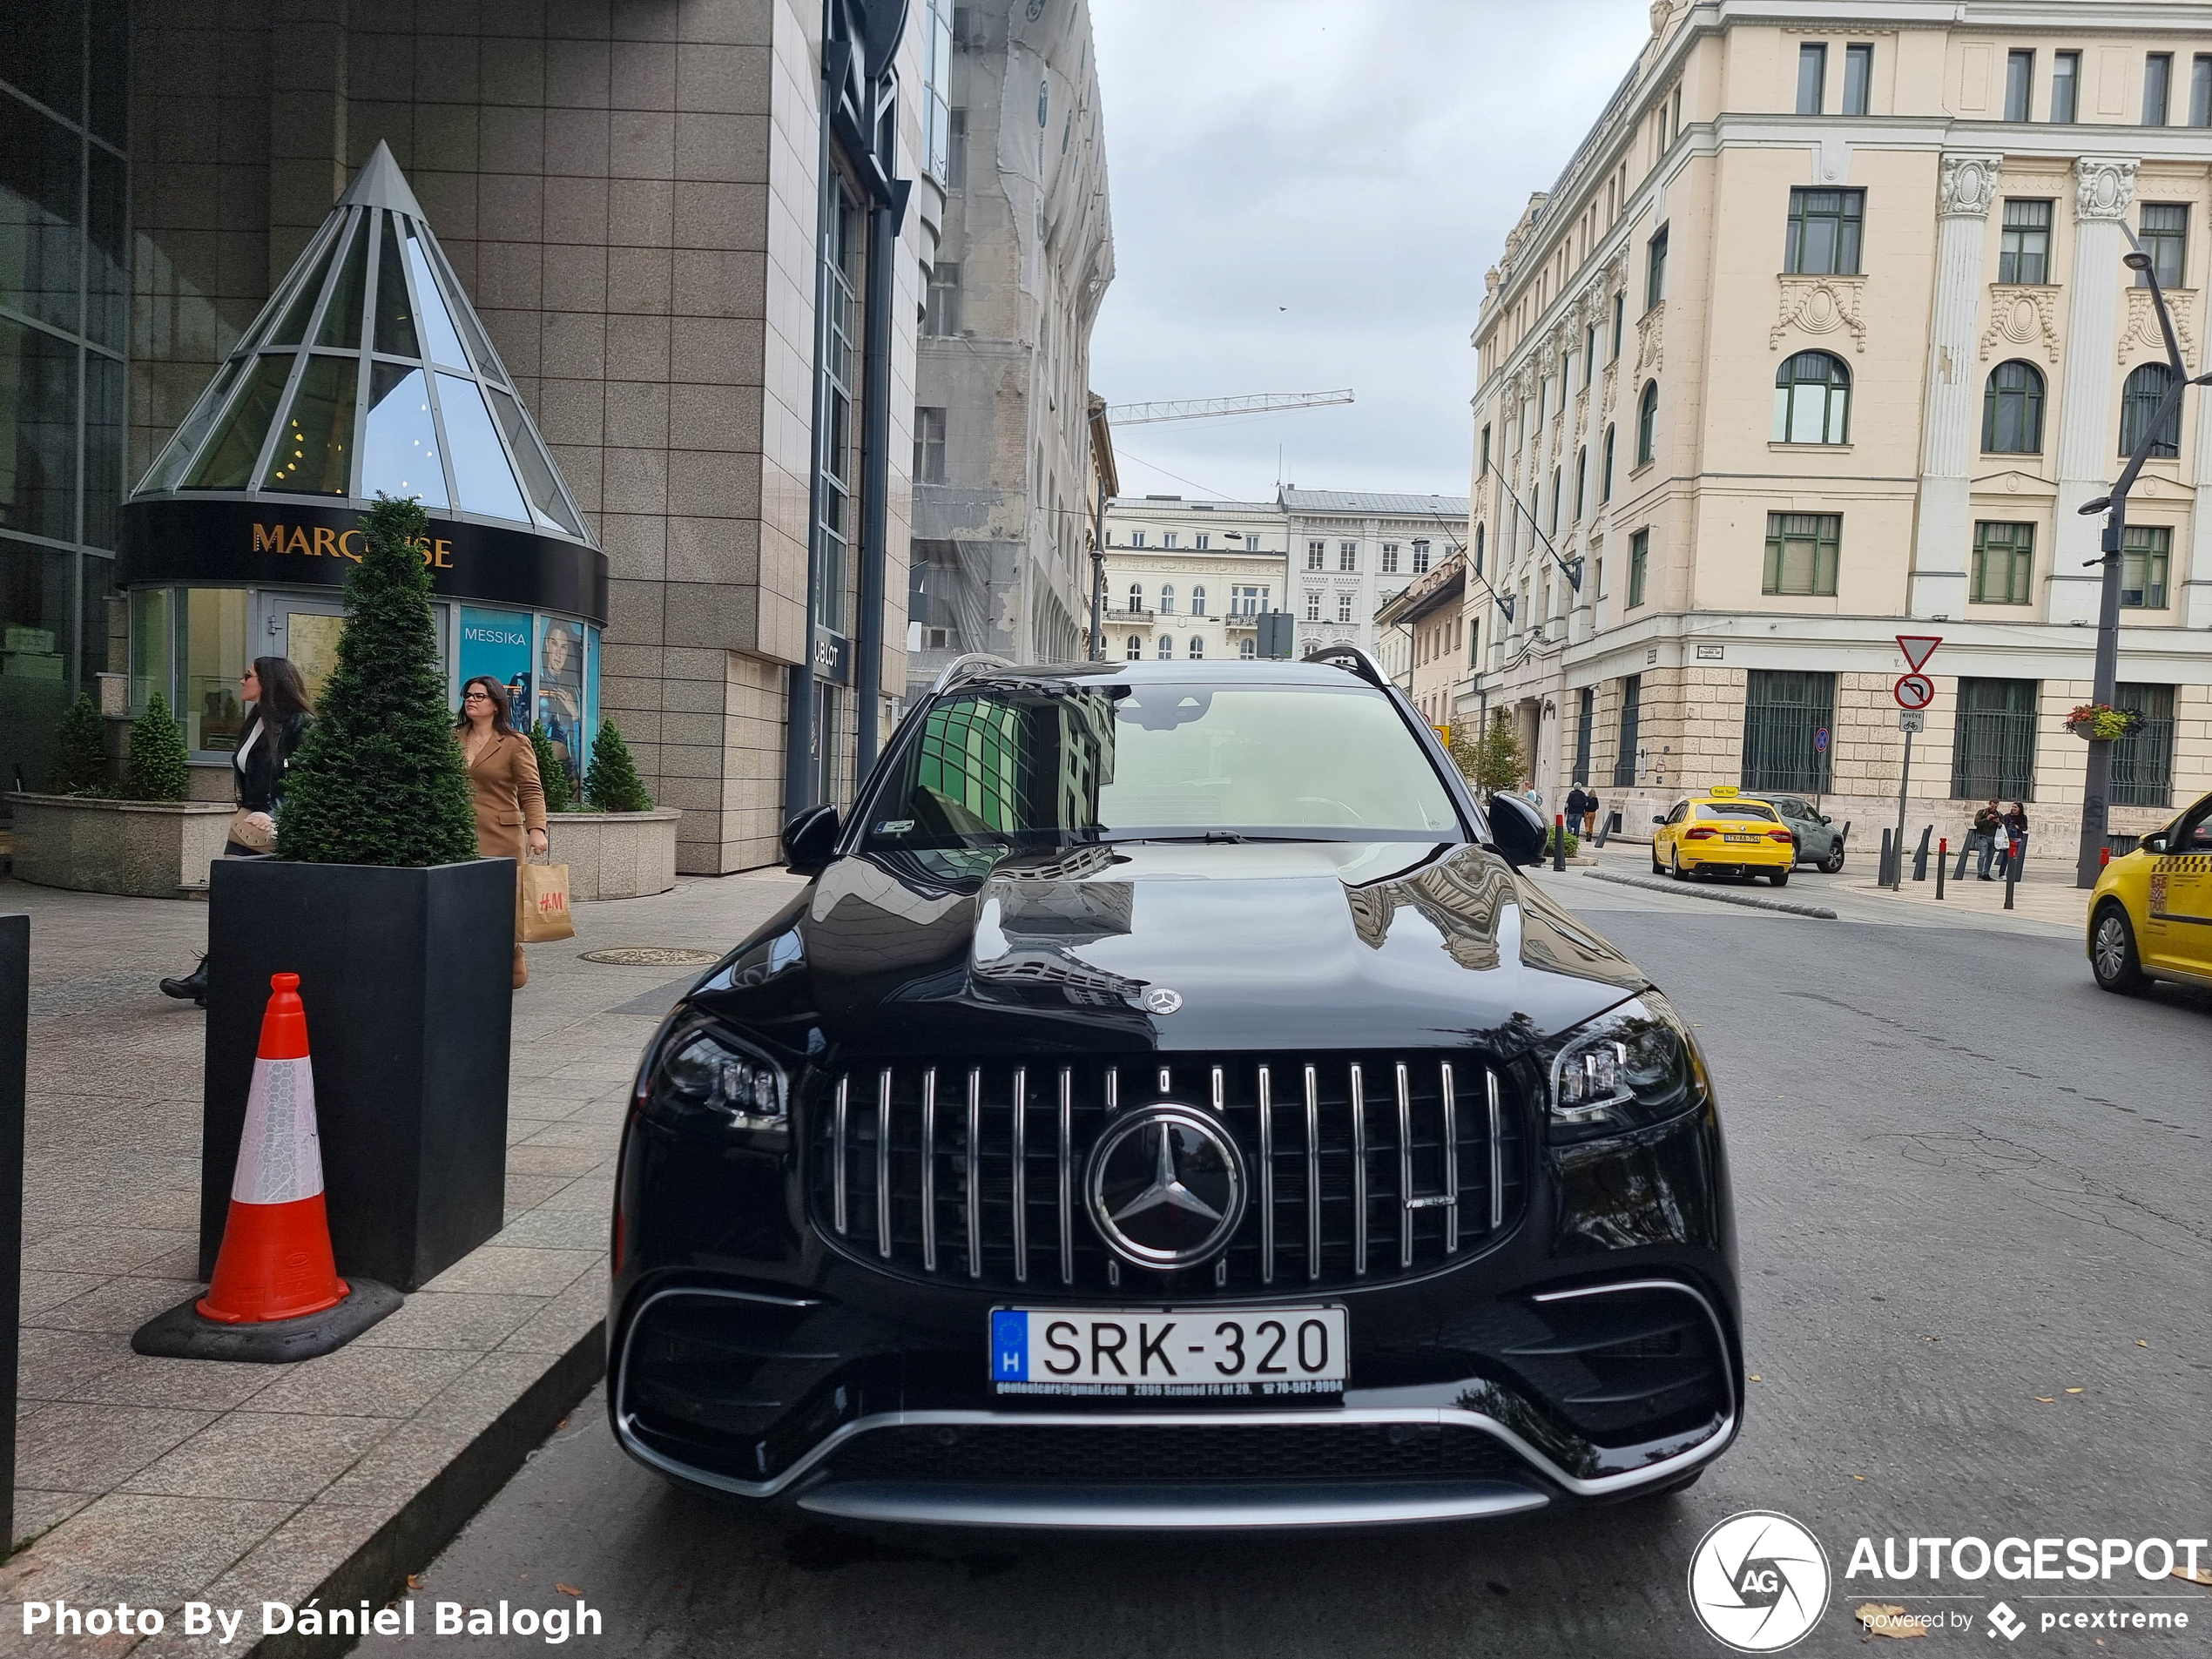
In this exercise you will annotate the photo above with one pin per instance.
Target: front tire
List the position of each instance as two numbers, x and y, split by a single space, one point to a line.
2112 952
1657 868
1780 878
1833 864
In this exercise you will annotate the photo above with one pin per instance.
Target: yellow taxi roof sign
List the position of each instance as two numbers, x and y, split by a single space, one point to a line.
1723 792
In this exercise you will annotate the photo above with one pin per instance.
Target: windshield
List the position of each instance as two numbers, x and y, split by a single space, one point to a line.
1048 763
1720 811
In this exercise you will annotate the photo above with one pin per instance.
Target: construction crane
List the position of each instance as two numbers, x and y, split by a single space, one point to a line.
1203 408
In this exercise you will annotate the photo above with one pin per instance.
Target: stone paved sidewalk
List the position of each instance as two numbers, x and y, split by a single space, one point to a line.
156 1480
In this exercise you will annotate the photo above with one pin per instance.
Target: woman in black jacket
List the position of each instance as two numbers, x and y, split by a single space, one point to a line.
276 722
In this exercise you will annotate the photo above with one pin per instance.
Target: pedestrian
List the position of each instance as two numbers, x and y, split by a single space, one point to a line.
1581 810
1983 837
2015 840
277 719
503 769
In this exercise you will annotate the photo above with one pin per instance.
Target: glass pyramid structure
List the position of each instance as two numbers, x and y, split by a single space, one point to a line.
369 370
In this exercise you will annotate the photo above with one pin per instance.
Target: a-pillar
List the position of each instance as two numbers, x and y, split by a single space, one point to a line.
1943 538
2104 188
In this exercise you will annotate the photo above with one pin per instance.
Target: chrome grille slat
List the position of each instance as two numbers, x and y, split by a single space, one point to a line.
1445 1161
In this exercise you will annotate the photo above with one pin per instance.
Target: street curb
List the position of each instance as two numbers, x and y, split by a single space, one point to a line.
1819 912
377 1571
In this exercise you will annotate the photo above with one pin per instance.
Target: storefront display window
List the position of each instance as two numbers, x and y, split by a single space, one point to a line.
212 655
560 694
36 607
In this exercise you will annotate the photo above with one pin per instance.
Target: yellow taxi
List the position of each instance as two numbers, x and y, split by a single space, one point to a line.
2150 915
1719 833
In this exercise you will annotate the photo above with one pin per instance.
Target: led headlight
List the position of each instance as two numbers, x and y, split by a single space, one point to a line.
1631 1066
707 1079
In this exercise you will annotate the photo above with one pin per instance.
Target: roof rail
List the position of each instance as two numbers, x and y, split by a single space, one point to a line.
1352 660
960 667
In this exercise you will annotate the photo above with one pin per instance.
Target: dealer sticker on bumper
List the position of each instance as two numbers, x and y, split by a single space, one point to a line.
1217 1353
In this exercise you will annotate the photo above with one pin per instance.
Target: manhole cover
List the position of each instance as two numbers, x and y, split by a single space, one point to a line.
653 956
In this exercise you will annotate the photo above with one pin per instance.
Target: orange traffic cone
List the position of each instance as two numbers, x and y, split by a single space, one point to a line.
275 1261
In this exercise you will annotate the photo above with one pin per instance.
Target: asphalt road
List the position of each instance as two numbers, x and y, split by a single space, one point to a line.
1975 1249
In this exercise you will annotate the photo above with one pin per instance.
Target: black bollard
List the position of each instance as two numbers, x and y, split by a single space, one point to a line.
1943 856
1606 828
2012 879
1559 841
1881 878
1921 857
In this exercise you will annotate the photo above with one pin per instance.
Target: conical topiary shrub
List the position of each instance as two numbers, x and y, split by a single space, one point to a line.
552 775
156 770
612 784
380 778
80 749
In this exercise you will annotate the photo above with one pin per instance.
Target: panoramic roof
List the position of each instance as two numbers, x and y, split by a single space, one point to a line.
369 371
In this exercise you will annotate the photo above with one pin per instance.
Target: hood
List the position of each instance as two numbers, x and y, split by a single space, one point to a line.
1376 945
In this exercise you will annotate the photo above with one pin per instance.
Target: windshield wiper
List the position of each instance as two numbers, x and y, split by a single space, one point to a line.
1232 838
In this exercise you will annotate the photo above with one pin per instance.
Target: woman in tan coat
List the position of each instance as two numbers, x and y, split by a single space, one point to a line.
502 766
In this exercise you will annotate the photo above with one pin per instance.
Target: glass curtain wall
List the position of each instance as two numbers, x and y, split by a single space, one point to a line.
838 434
64 297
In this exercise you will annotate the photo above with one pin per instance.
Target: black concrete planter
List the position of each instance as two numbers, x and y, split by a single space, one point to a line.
406 974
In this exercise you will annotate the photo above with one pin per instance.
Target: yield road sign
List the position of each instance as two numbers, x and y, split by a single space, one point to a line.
1913 691
1917 648
1913 720
1820 740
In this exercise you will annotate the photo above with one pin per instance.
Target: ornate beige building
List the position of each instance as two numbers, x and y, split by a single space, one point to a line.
1822 336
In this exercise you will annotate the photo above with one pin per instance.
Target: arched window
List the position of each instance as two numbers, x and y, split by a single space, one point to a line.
2012 411
1246 649
1136 596
1167 647
1478 549
2139 400
1198 602
1812 399
1167 600
1556 493
1136 648
1581 482
1197 648
1605 473
1648 423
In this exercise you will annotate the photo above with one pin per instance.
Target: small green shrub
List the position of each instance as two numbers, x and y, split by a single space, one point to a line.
550 772
80 749
612 784
156 770
1551 840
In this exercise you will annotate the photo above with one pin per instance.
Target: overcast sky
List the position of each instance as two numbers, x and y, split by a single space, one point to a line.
1305 194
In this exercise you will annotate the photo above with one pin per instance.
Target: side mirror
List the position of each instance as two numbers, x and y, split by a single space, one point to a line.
1658 817
2154 842
1517 829
809 841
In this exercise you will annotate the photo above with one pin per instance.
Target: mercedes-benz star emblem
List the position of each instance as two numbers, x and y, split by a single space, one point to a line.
1166 1187
1160 999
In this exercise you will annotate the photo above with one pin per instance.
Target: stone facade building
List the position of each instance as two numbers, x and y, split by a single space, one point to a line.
1822 336
1351 551
1425 639
1188 579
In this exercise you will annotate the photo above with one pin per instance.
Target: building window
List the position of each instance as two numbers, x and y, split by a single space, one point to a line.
1168 539
1390 558
1198 602
2024 247
2003 564
1556 492
1781 708
2165 237
1134 651
1343 607
1801 552
2142 397
1823 233
1655 271
841 370
1535 508
940 309
1202 541
1166 651
1197 648
956 150
1313 604
1167 598
1858 76
1812 399
1420 558
1993 746
1315 552
1812 76
1639 566
1484 466
1136 538
1647 422
2066 85
929 445
1246 650
1605 469
1582 480
2142 762
2019 83
2158 83
1620 314
2145 551
2201 92
1480 538
937 75
2012 411
1348 555
1585 717
1136 596
1624 756
1590 352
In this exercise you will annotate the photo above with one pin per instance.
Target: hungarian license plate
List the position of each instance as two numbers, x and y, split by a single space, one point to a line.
1732 836
1217 1353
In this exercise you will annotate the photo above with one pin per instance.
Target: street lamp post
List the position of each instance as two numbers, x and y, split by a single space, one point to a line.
2096 793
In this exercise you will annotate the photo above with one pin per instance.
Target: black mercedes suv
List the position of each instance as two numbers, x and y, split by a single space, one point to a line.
1167 1106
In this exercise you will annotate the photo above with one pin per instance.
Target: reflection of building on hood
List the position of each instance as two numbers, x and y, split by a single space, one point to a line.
1027 931
1048 965
1460 896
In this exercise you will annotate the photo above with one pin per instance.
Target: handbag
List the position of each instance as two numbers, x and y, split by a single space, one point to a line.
542 903
248 834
